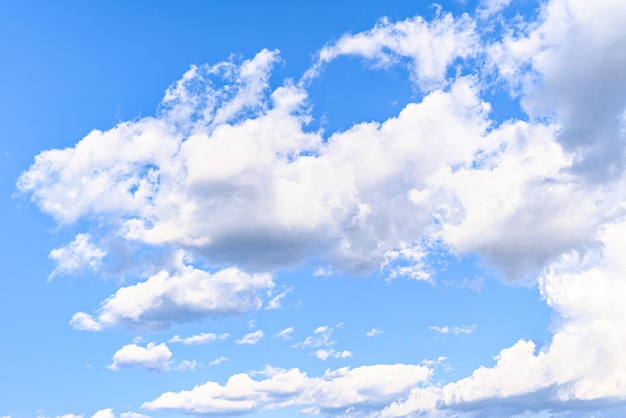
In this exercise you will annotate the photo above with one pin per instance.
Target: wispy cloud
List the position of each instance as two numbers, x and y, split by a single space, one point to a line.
446 330
251 338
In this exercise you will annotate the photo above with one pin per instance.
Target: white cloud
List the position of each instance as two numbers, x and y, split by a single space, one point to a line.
77 255
203 338
285 334
274 302
61 416
373 332
454 330
184 294
576 55
104 413
337 390
488 8
264 193
218 361
430 46
584 289
151 357
187 365
321 338
324 354
251 338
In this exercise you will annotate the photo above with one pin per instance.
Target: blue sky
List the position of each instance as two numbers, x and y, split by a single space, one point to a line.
286 209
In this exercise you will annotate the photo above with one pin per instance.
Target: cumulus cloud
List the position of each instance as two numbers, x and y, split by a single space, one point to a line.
336 391
152 357
232 176
203 338
251 338
185 294
575 63
588 331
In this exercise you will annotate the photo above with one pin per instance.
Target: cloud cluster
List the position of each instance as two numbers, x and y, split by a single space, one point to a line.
337 391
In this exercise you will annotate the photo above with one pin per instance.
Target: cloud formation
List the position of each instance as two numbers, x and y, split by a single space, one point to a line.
229 173
337 391
152 357
183 295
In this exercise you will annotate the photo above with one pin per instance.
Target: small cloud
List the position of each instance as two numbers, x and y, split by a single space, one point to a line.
78 255
84 322
152 357
285 334
187 365
373 332
203 338
274 303
252 324
325 354
322 272
217 361
446 330
251 338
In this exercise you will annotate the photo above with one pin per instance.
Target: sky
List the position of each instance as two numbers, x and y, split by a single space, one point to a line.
278 209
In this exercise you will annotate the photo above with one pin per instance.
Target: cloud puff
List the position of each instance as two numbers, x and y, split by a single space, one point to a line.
251 338
185 294
373 332
152 357
336 391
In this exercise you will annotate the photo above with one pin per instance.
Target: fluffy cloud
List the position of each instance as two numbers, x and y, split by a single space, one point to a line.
251 338
336 391
576 54
232 176
152 357
183 295
582 364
